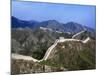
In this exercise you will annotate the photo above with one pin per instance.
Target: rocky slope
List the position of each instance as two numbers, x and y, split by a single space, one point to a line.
66 56
71 55
33 43
32 39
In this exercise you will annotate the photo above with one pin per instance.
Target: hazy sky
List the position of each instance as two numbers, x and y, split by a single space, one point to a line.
64 13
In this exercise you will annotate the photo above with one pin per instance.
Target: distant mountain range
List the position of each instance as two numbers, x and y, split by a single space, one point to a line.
16 23
33 38
71 27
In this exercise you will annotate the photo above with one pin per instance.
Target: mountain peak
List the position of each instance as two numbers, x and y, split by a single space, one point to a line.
71 26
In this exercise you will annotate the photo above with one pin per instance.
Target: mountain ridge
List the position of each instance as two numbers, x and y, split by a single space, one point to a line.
72 27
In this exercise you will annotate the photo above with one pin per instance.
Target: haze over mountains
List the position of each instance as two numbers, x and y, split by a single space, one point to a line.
28 37
33 38
52 37
71 27
63 13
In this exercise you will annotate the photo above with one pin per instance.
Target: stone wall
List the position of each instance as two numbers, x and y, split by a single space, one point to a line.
29 67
